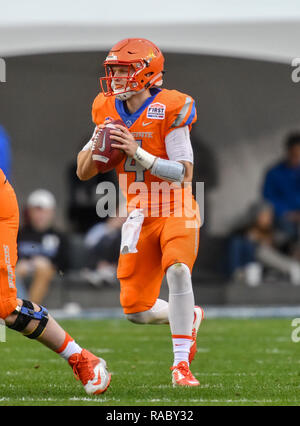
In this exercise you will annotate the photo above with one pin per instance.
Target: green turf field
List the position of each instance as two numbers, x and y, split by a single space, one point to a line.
240 362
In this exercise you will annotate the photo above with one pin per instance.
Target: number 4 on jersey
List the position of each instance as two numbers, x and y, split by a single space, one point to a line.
134 166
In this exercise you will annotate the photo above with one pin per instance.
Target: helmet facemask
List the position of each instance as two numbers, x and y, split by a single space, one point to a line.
137 79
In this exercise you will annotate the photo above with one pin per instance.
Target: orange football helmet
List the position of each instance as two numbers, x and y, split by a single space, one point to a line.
145 64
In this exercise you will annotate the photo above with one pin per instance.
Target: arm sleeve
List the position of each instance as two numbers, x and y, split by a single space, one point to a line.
178 145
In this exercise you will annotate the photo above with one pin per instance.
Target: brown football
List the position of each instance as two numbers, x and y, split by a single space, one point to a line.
106 157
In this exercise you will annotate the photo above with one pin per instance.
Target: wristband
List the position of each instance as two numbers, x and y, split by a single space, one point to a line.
144 158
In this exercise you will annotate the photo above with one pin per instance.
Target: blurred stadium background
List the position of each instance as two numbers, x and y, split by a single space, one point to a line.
233 58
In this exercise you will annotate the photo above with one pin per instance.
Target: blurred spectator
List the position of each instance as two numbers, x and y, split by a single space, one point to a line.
5 153
282 189
103 242
253 246
42 249
83 197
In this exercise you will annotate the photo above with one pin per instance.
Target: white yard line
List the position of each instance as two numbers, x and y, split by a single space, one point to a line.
223 401
156 400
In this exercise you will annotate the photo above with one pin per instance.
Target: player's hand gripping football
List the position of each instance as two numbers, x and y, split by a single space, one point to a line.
126 141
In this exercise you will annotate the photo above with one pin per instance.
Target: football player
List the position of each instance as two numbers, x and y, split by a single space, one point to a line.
32 320
156 140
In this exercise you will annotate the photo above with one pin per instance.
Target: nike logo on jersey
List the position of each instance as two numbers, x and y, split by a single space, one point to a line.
147 124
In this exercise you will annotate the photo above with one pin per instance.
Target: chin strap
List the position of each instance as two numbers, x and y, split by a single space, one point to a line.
124 96
127 95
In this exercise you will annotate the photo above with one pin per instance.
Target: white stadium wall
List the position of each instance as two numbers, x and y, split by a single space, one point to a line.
267 30
233 57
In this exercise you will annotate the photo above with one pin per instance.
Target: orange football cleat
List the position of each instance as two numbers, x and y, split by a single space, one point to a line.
91 371
182 376
198 317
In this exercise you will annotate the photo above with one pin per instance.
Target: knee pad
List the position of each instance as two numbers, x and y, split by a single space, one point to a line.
26 313
178 269
179 278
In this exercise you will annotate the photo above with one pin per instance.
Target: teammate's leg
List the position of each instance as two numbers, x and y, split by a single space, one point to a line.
52 335
32 320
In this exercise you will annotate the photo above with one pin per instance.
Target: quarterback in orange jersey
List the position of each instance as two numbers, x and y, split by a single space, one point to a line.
32 320
161 234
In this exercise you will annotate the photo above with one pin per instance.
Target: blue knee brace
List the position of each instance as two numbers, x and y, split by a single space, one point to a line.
26 313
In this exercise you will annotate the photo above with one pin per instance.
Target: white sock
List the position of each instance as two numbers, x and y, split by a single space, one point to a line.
181 308
68 348
181 349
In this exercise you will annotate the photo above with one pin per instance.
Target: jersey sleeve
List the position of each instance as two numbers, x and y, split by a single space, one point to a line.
181 112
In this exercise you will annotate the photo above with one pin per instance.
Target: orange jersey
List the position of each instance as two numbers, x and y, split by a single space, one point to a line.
163 112
9 224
